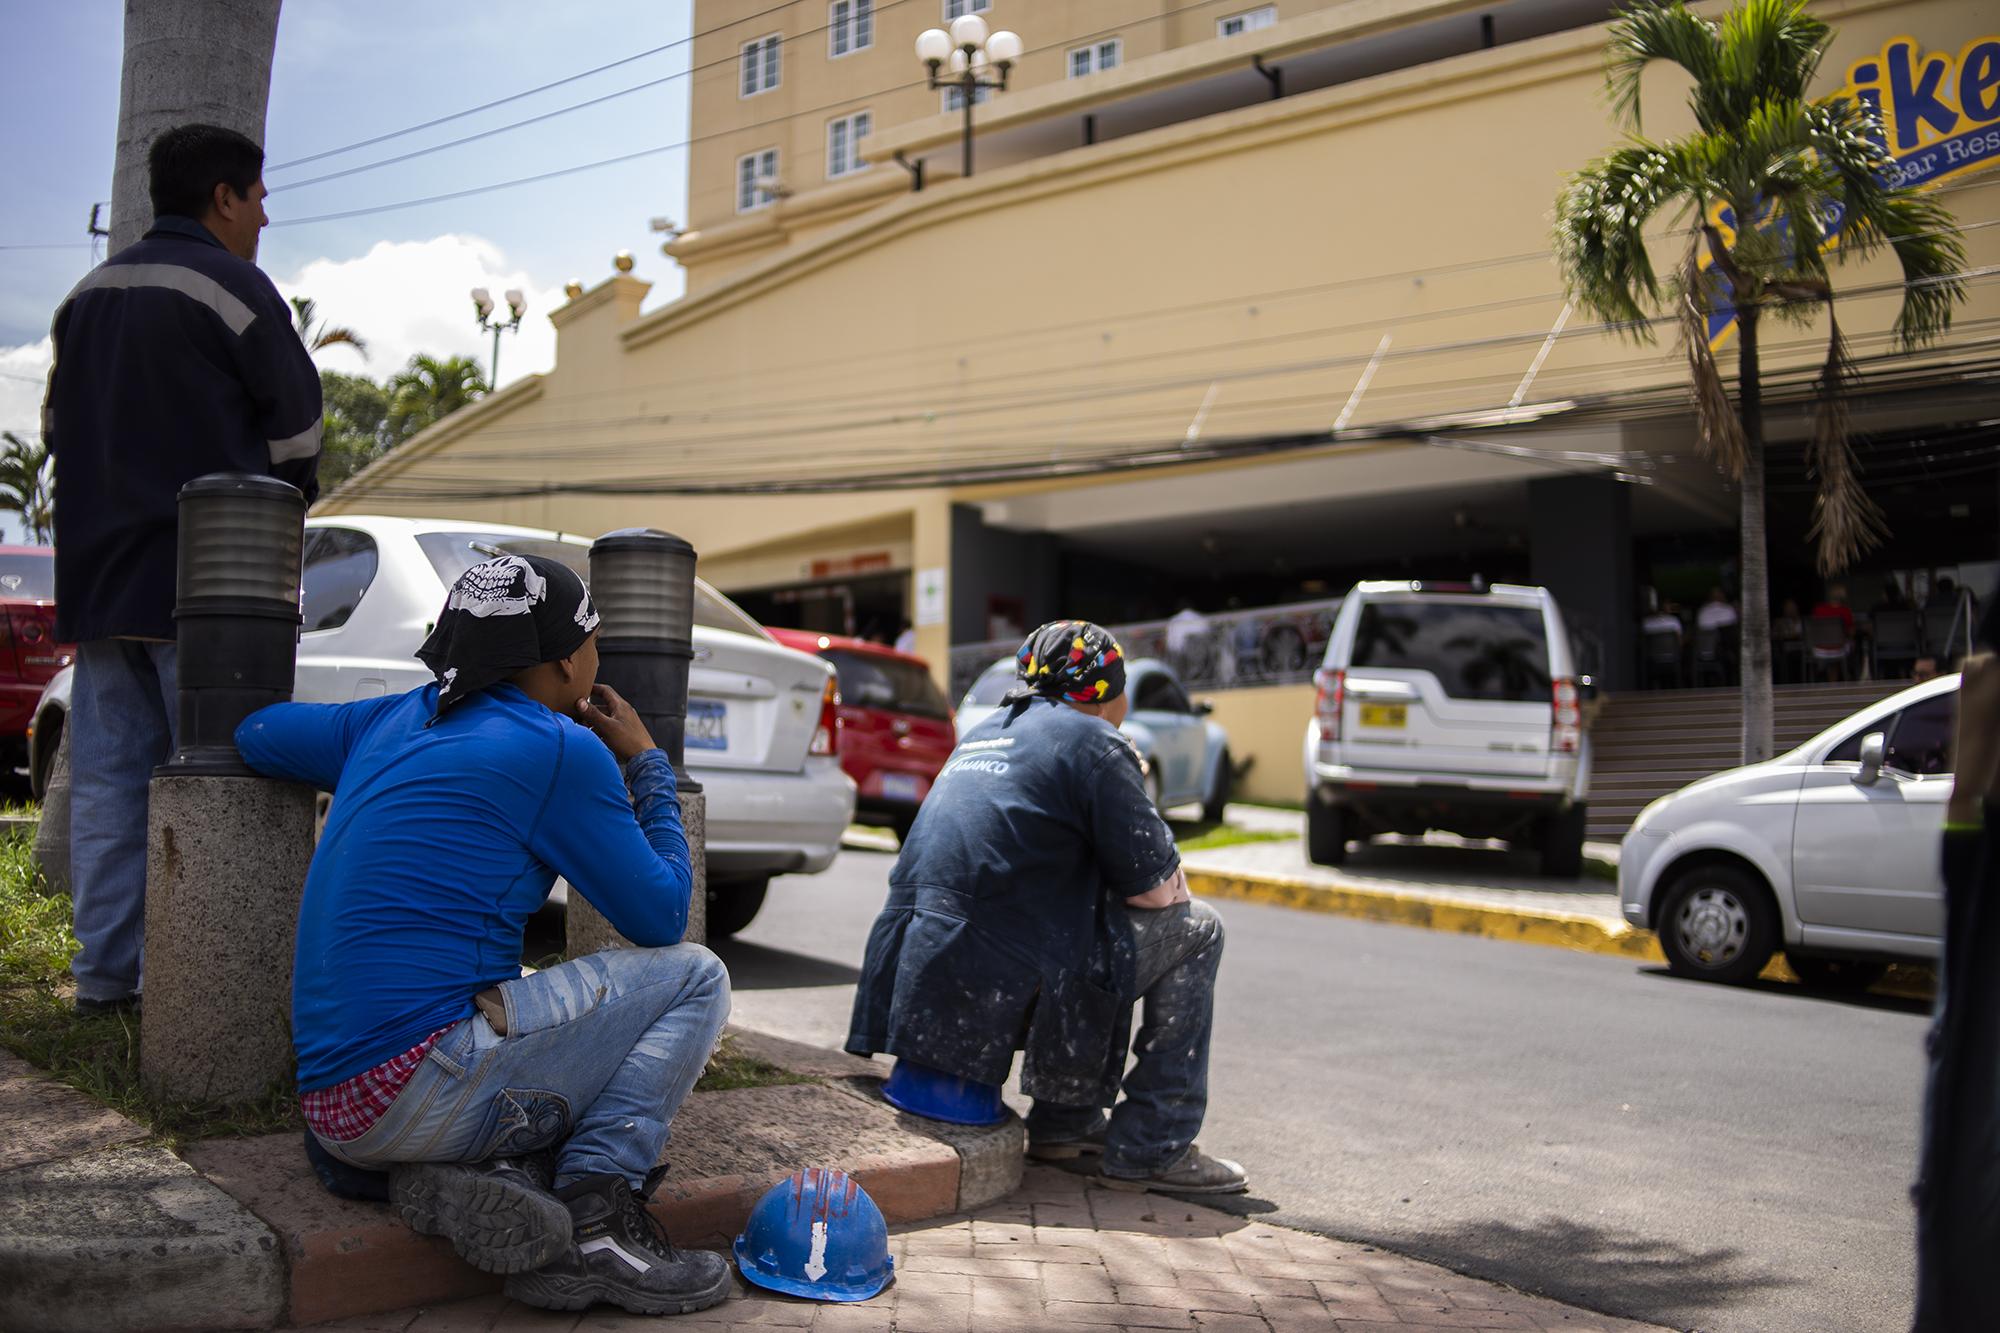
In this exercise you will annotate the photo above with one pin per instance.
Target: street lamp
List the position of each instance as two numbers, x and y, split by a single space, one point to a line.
517 306
966 58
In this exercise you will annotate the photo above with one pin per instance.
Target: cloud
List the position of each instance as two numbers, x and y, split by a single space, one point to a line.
405 297
24 371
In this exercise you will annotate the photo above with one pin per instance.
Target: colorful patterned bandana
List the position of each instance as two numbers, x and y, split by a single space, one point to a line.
1071 660
503 616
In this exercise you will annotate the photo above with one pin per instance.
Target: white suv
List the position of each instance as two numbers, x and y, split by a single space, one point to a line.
1450 707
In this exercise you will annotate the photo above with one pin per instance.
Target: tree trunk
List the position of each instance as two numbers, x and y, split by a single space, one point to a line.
1755 627
186 61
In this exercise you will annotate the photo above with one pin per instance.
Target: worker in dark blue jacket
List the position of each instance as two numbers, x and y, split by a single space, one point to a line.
174 358
521 1117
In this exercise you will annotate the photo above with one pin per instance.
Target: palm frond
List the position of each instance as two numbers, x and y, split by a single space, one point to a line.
1646 33
339 337
1600 239
1771 50
1846 522
1719 433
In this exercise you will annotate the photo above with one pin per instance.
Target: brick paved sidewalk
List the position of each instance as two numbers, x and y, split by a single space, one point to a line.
1058 1254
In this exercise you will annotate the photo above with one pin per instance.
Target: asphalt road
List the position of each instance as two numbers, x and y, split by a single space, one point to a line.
1577 1126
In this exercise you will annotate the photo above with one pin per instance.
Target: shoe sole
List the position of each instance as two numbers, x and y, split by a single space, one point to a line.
1063 1152
1143 1186
495 1225
546 1292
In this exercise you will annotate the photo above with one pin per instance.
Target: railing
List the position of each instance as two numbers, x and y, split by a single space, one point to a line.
1274 645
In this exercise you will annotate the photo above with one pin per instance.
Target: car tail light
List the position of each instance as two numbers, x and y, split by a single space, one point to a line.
826 737
1328 702
1566 717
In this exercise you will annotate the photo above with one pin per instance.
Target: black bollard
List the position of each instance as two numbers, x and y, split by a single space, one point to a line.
642 582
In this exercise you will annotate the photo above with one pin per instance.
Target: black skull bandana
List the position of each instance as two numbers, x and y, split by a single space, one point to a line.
503 616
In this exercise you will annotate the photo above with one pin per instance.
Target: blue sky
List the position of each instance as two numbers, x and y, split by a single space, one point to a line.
347 70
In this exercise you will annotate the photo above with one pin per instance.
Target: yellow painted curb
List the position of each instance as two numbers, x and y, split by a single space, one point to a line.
1561 930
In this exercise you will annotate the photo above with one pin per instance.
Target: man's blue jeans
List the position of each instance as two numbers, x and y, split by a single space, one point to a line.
1166 1090
599 1054
122 714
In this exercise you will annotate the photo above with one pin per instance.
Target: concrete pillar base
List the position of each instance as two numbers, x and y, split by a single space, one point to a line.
589 932
52 833
226 861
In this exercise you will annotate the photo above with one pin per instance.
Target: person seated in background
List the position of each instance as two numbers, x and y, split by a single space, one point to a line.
1038 897
1923 669
1893 598
1666 620
1944 593
1788 632
1717 612
522 1118
1836 607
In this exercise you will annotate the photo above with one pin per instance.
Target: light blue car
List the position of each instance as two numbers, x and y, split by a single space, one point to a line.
1186 754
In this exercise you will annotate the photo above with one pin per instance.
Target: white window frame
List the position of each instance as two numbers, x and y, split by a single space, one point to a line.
1093 53
960 8
1250 20
856 27
979 97
768 64
762 164
853 129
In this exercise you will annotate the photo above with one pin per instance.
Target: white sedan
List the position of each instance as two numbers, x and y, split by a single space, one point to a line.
777 800
1829 852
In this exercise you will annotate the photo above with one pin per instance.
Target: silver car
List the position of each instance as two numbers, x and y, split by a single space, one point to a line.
777 802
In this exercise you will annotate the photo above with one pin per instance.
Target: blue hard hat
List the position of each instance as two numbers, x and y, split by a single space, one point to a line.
819 1235
922 1090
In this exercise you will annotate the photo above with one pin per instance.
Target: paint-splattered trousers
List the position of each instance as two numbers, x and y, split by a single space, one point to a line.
1166 1089
599 1054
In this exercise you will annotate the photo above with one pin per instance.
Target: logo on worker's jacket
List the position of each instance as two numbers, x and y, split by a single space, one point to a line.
507 586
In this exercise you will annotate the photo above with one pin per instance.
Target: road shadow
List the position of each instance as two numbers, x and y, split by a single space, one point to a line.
1605 1268
760 967
1808 994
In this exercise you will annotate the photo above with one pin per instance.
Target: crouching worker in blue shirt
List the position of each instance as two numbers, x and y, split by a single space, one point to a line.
1038 896
521 1117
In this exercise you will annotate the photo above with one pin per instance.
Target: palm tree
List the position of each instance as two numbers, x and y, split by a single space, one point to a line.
186 60
317 334
430 389
26 487
1782 165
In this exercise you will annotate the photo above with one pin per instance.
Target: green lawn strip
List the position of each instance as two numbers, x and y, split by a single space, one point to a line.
1206 837
100 1056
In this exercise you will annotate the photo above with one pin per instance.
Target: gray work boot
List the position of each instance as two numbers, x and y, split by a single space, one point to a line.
499 1215
1195 1173
622 1256
1089 1144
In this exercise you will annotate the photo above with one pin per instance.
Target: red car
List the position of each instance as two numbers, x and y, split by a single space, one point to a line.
895 726
29 653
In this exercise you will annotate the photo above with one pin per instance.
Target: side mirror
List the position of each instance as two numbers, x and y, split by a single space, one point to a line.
1203 707
1874 746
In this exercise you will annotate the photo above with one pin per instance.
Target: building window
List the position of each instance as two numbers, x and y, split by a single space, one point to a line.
1098 56
843 143
850 27
750 170
1248 21
760 65
954 98
958 8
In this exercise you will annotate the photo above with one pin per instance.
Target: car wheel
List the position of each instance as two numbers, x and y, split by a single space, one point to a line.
1153 789
1717 923
38 780
1562 843
731 907
1849 976
1326 834
1216 804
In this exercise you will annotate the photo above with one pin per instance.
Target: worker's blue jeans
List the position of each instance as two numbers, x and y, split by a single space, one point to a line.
1166 1090
122 710
599 1054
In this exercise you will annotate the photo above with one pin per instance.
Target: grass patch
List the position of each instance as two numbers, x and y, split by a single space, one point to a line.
729 1068
1206 837
97 1056
20 810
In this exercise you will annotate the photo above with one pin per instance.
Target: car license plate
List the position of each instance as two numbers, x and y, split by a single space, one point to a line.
1384 715
708 725
899 786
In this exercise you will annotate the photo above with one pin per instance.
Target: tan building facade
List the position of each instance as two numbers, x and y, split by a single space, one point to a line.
1238 317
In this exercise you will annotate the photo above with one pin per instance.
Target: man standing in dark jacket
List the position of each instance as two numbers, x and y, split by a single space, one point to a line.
174 358
1038 896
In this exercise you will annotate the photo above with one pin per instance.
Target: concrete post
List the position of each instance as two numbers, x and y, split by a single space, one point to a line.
226 861
589 932
52 832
